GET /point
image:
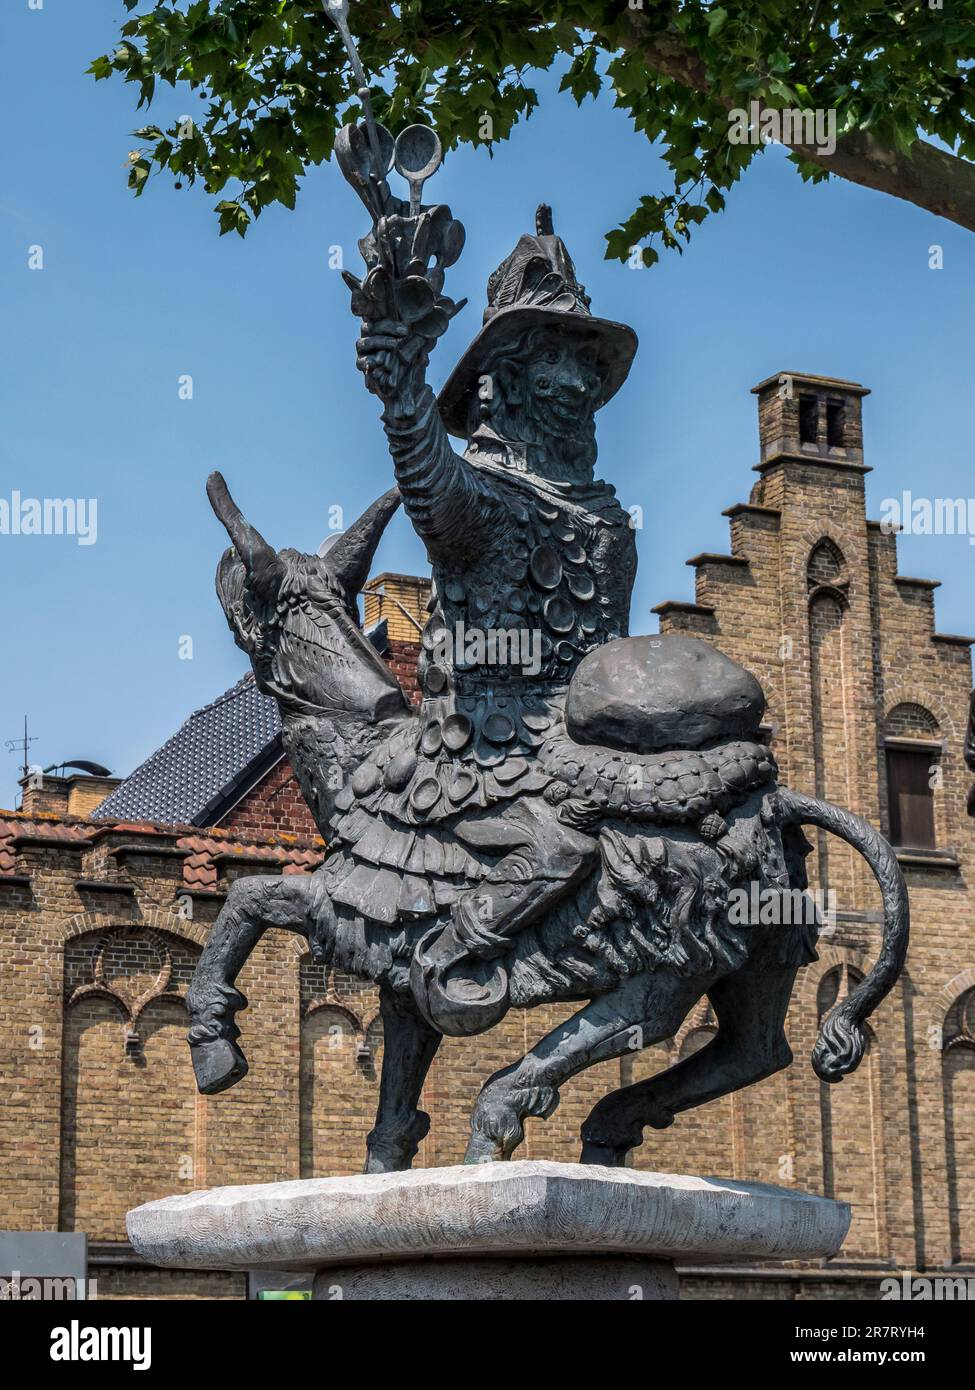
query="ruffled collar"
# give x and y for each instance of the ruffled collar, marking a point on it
(509, 458)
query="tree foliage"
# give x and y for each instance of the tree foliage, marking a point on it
(273, 86)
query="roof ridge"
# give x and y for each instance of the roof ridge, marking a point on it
(246, 679)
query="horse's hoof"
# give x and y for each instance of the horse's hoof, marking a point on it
(392, 1147)
(602, 1154)
(481, 1148)
(218, 1064)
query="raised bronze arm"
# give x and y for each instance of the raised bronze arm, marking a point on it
(404, 312)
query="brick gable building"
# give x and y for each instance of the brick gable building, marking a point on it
(104, 908)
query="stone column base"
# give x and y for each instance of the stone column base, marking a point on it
(584, 1278)
(493, 1231)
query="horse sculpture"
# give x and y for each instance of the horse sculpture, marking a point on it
(575, 821)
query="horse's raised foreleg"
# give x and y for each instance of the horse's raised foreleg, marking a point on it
(750, 1045)
(253, 905)
(409, 1045)
(639, 1012)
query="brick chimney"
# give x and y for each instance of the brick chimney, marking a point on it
(77, 795)
(400, 599)
(816, 417)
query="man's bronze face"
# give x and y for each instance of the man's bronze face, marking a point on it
(561, 385)
(546, 384)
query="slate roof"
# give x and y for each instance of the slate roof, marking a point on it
(206, 766)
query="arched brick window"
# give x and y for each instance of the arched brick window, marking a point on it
(958, 1073)
(827, 564)
(128, 1098)
(340, 1064)
(912, 755)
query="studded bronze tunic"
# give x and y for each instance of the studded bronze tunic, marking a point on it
(528, 575)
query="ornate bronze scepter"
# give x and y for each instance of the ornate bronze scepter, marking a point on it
(410, 246)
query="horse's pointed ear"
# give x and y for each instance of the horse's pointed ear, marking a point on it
(247, 540)
(259, 559)
(348, 560)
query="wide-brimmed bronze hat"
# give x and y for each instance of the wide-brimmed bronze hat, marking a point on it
(535, 286)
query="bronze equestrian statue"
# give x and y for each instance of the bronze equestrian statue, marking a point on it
(569, 812)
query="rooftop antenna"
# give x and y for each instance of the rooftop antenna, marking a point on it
(24, 743)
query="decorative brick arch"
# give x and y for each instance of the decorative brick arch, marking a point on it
(337, 1086)
(957, 1040)
(863, 1183)
(957, 986)
(132, 1005)
(315, 1006)
(702, 1016)
(298, 947)
(809, 537)
(917, 712)
(834, 585)
(99, 991)
(152, 919)
(821, 591)
(830, 958)
(899, 692)
(123, 1054)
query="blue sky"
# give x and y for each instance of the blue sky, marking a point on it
(133, 295)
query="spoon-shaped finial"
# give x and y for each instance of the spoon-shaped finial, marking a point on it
(418, 155)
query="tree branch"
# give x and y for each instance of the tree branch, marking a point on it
(929, 177)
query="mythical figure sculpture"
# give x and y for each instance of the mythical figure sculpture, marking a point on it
(567, 813)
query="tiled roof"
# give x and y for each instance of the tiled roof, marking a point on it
(218, 751)
(200, 869)
(20, 830)
(206, 854)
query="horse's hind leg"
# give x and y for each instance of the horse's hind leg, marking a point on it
(253, 905)
(750, 1045)
(409, 1045)
(636, 1014)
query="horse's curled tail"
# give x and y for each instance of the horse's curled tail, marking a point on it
(842, 1038)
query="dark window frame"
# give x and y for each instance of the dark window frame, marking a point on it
(808, 418)
(911, 809)
(835, 422)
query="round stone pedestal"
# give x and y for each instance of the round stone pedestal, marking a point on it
(491, 1231)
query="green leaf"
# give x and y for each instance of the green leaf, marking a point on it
(138, 173)
(582, 79)
(276, 84)
(234, 217)
(101, 68)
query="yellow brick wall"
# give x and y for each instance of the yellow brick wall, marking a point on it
(837, 654)
(400, 599)
(88, 792)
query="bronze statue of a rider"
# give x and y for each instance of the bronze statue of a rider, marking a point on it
(569, 811)
(533, 564)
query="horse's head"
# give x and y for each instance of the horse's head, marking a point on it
(296, 615)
